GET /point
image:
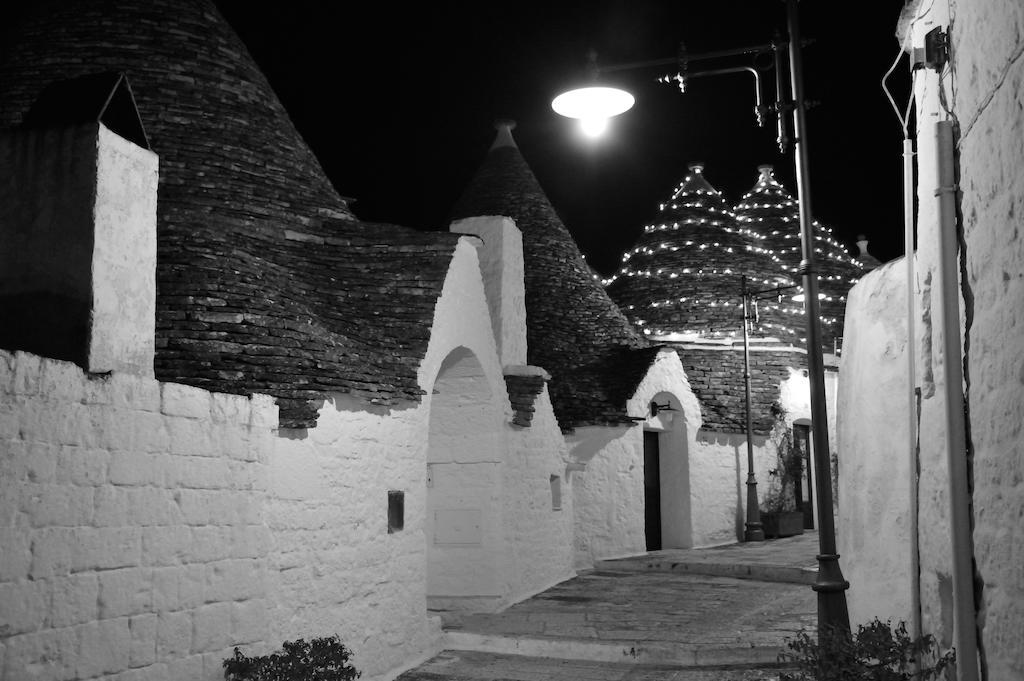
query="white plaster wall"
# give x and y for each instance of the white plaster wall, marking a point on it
(985, 92)
(333, 567)
(466, 547)
(131, 524)
(540, 537)
(988, 40)
(981, 89)
(666, 382)
(608, 492)
(537, 548)
(719, 461)
(608, 485)
(933, 511)
(608, 476)
(874, 538)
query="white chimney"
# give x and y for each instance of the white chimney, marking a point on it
(78, 262)
(501, 263)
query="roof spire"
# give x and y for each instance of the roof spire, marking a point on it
(869, 261)
(504, 126)
(766, 173)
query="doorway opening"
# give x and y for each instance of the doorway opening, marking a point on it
(652, 491)
(804, 487)
(463, 510)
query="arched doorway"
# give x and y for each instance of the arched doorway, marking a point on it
(463, 510)
(804, 483)
(667, 509)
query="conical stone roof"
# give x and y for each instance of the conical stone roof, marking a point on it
(682, 279)
(771, 213)
(574, 330)
(266, 282)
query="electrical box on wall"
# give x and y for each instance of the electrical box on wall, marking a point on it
(935, 52)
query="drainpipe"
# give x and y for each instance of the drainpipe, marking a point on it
(912, 456)
(956, 439)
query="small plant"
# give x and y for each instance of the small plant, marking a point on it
(322, 659)
(877, 652)
(780, 495)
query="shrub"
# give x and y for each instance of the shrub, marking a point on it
(877, 652)
(322, 659)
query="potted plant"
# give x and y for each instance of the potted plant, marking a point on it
(780, 516)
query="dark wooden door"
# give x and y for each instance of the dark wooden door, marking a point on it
(804, 483)
(652, 491)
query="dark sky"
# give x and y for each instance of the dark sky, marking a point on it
(398, 104)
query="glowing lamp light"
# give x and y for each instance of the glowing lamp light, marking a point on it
(593, 106)
(593, 127)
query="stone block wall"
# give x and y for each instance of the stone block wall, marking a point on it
(987, 43)
(333, 565)
(131, 524)
(538, 507)
(716, 374)
(608, 492)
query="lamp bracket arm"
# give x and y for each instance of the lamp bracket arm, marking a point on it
(690, 57)
(760, 110)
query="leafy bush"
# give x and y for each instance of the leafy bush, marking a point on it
(322, 659)
(877, 652)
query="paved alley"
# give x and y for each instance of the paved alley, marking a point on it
(694, 615)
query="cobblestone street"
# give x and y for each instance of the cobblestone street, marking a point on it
(664, 615)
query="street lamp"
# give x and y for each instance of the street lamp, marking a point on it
(830, 585)
(753, 531)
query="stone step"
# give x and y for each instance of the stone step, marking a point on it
(792, 574)
(458, 665)
(619, 651)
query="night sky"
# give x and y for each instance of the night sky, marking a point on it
(398, 102)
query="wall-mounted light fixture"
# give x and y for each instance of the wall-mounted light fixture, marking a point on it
(658, 408)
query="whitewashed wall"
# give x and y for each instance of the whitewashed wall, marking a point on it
(148, 528)
(709, 468)
(333, 568)
(131, 524)
(539, 534)
(874, 538)
(608, 492)
(987, 40)
(981, 90)
(608, 470)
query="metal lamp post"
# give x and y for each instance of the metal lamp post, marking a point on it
(830, 585)
(753, 530)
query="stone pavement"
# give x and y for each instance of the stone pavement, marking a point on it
(664, 615)
(791, 559)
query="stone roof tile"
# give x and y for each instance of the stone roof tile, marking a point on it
(266, 282)
(769, 210)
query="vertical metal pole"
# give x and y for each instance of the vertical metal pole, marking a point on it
(965, 615)
(912, 465)
(753, 530)
(830, 585)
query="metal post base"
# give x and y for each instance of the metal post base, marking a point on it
(831, 589)
(753, 531)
